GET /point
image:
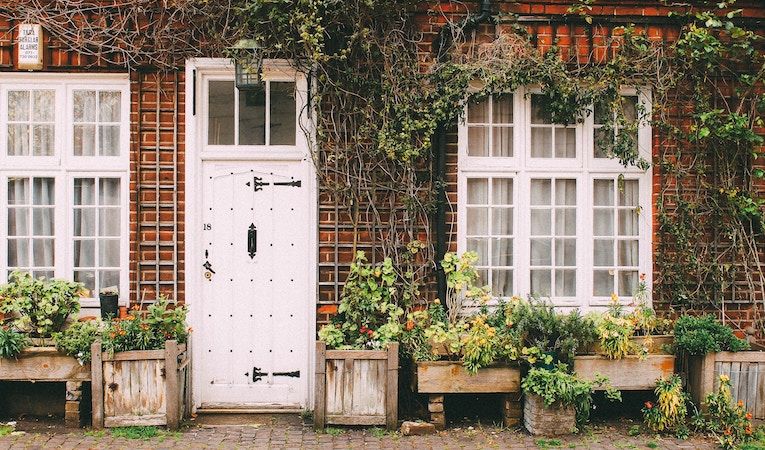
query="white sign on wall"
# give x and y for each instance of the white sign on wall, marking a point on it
(29, 46)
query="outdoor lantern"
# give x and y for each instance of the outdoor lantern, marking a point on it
(248, 64)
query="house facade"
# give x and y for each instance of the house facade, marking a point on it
(176, 182)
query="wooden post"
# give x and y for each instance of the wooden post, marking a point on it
(171, 383)
(391, 386)
(320, 405)
(97, 385)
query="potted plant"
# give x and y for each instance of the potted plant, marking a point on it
(556, 402)
(109, 299)
(363, 338)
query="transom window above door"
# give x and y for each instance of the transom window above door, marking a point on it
(546, 208)
(265, 116)
(64, 178)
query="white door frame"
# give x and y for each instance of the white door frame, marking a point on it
(196, 68)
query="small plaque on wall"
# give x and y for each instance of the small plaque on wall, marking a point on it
(29, 46)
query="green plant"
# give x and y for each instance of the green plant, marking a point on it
(633, 431)
(368, 315)
(76, 339)
(146, 330)
(669, 413)
(557, 385)
(334, 431)
(95, 433)
(12, 342)
(698, 335)
(41, 306)
(730, 423)
(6, 429)
(548, 443)
(652, 444)
(615, 334)
(144, 433)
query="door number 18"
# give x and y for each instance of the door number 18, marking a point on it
(207, 227)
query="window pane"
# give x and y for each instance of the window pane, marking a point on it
(42, 140)
(478, 141)
(88, 278)
(565, 222)
(502, 252)
(565, 192)
(503, 108)
(629, 193)
(42, 221)
(502, 146)
(283, 113)
(541, 192)
(18, 140)
(18, 252)
(109, 253)
(18, 221)
(628, 253)
(629, 108)
(502, 283)
(565, 283)
(477, 221)
(85, 253)
(538, 115)
(43, 106)
(603, 283)
(565, 142)
(540, 282)
(628, 281)
(603, 253)
(477, 191)
(541, 142)
(18, 105)
(481, 247)
(478, 111)
(603, 222)
(84, 191)
(85, 222)
(565, 252)
(603, 192)
(628, 222)
(109, 106)
(84, 106)
(252, 117)
(541, 222)
(604, 142)
(109, 140)
(18, 191)
(541, 252)
(502, 191)
(109, 222)
(220, 126)
(42, 252)
(109, 191)
(108, 279)
(44, 191)
(502, 221)
(84, 140)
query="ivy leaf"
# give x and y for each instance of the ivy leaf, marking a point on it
(758, 173)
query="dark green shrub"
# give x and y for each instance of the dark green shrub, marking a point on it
(699, 335)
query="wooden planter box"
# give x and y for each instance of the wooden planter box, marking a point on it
(630, 373)
(141, 387)
(747, 377)
(356, 387)
(437, 378)
(47, 364)
(553, 420)
(656, 344)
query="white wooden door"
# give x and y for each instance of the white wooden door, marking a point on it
(255, 249)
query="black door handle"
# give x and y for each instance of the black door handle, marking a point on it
(252, 241)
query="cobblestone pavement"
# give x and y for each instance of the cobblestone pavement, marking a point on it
(292, 434)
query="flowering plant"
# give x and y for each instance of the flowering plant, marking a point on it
(669, 412)
(730, 423)
(146, 330)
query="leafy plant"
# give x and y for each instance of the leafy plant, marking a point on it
(669, 413)
(12, 342)
(730, 423)
(146, 330)
(76, 339)
(41, 307)
(615, 334)
(699, 335)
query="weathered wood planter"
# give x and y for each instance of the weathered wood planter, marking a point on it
(47, 364)
(356, 387)
(656, 345)
(448, 377)
(554, 420)
(747, 377)
(142, 387)
(630, 373)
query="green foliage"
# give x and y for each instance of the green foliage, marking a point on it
(557, 385)
(76, 339)
(143, 433)
(670, 412)
(40, 306)
(6, 429)
(12, 342)
(699, 335)
(369, 316)
(730, 423)
(145, 330)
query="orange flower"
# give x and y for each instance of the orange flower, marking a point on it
(649, 405)
(409, 325)
(129, 317)
(122, 332)
(112, 335)
(748, 430)
(748, 416)
(727, 432)
(740, 403)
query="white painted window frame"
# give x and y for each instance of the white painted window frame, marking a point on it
(585, 168)
(63, 166)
